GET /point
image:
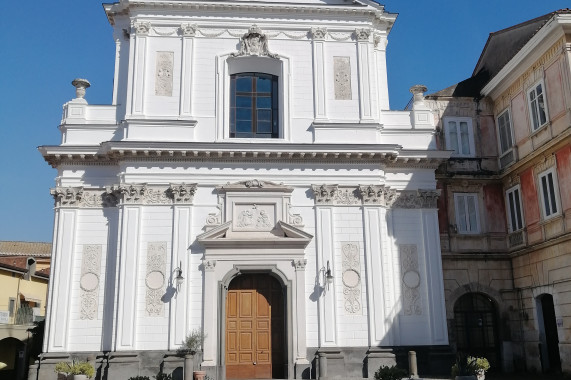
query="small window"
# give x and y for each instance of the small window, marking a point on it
(515, 218)
(505, 132)
(537, 106)
(254, 106)
(459, 136)
(11, 306)
(549, 194)
(467, 219)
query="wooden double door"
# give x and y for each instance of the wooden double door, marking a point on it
(255, 328)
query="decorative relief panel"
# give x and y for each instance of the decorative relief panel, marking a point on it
(342, 80)
(255, 43)
(410, 277)
(155, 278)
(253, 217)
(89, 281)
(351, 277)
(164, 71)
(374, 195)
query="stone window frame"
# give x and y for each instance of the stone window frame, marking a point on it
(477, 230)
(530, 106)
(510, 145)
(471, 144)
(554, 196)
(513, 190)
(229, 65)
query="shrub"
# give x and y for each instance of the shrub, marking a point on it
(469, 365)
(75, 368)
(63, 367)
(163, 376)
(390, 373)
(192, 343)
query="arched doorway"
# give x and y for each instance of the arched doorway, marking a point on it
(548, 339)
(255, 328)
(476, 330)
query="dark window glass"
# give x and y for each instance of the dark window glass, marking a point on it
(254, 105)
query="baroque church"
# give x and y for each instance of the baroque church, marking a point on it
(248, 182)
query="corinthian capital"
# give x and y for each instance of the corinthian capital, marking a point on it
(182, 193)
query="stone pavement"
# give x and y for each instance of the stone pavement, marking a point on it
(514, 376)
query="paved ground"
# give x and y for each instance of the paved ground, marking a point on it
(514, 376)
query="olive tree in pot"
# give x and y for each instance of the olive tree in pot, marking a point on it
(190, 346)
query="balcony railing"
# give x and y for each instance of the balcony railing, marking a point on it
(516, 239)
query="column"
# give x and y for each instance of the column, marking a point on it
(128, 269)
(325, 253)
(299, 325)
(319, 90)
(365, 99)
(136, 84)
(60, 284)
(380, 44)
(188, 33)
(210, 316)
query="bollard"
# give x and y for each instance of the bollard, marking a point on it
(412, 368)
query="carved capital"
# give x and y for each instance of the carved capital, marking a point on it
(67, 196)
(208, 265)
(363, 34)
(332, 194)
(299, 264)
(318, 33)
(324, 194)
(413, 199)
(373, 194)
(188, 30)
(254, 43)
(141, 28)
(182, 193)
(85, 198)
(144, 194)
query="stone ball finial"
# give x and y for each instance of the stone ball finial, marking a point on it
(80, 86)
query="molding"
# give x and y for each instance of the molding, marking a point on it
(375, 195)
(254, 185)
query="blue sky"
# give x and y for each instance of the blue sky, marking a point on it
(46, 45)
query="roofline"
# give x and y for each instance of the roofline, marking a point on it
(559, 20)
(506, 30)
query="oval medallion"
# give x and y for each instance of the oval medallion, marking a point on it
(411, 279)
(89, 282)
(351, 278)
(155, 280)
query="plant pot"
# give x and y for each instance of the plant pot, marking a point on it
(199, 375)
(79, 377)
(481, 375)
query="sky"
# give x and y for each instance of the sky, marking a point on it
(45, 45)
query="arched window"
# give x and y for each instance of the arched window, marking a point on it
(254, 111)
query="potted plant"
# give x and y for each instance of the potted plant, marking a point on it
(63, 369)
(464, 368)
(81, 370)
(481, 365)
(189, 347)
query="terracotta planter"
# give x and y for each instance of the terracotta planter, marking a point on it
(199, 375)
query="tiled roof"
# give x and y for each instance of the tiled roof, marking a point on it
(18, 263)
(25, 248)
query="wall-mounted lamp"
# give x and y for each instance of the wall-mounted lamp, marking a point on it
(327, 276)
(178, 279)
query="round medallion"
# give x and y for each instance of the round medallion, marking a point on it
(155, 280)
(411, 279)
(351, 278)
(89, 282)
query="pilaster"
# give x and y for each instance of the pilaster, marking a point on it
(380, 52)
(319, 87)
(210, 313)
(301, 362)
(136, 83)
(188, 34)
(363, 61)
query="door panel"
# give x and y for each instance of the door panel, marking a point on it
(254, 328)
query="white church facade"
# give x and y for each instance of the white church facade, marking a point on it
(248, 181)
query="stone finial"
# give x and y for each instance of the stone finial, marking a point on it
(418, 91)
(80, 86)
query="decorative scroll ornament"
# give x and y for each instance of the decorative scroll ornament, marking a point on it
(89, 281)
(363, 34)
(300, 264)
(208, 265)
(188, 30)
(294, 219)
(254, 43)
(410, 279)
(155, 278)
(85, 198)
(215, 218)
(142, 28)
(412, 199)
(318, 33)
(351, 277)
(182, 193)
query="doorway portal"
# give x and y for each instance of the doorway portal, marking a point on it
(476, 327)
(549, 341)
(255, 328)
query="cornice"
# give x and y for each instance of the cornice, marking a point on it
(391, 155)
(353, 9)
